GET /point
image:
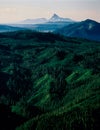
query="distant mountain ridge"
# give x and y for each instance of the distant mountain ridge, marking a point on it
(34, 21)
(88, 29)
(54, 18)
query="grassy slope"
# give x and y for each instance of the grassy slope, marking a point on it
(53, 82)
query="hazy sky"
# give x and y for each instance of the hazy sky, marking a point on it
(16, 10)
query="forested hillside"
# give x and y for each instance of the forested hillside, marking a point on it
(88, 29)
(48, 82)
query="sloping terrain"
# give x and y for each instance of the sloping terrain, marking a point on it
(48, 81)
(88, 29)
(8, 28)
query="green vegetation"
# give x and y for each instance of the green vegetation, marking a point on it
(48, 81)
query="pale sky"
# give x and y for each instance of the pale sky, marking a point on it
(17, 10)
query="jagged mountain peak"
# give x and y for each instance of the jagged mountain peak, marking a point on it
(57, 18)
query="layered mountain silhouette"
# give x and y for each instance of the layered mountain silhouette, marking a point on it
(55, 22)
(88, 29)
(54, 18)
(43, 24)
